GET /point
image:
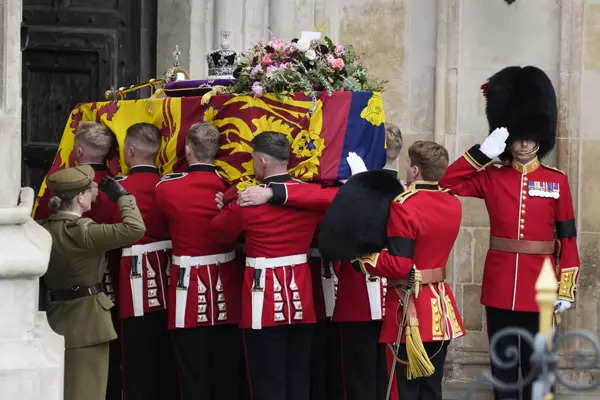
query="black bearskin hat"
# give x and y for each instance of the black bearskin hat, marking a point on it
(355, 222)
(523, 100)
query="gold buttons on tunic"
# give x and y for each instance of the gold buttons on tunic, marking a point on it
(521, 236)
(522, 226)
(525, 178)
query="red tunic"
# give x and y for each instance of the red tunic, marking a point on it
(358, 297)
(422, 227)
(149, 293)
(523, 203)
(274, 293)
(202, 291)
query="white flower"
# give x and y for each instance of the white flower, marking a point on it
(311, 55)
(303, 45)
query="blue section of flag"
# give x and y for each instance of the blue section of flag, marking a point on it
(362, 137)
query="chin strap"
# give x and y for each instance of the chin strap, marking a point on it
(534, 150)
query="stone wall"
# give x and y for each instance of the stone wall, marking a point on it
(435, 55)
(32, 355)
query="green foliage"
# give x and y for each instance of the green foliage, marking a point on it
(284, 67)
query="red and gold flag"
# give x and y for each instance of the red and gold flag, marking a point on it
(321, 132)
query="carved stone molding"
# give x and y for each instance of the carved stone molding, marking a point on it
(2, 55)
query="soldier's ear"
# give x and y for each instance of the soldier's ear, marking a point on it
(78, 151)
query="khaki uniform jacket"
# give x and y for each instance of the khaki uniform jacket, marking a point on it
(78, 258)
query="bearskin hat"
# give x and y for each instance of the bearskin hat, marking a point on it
(523, 100)
(355, 222)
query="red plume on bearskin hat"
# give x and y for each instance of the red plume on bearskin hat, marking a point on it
(523, 100)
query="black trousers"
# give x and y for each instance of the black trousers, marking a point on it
(363, 372)
(114, 385)
(209, 362)
(148, 363)
(498, 319)
(325, 361)
(278, 361)
(426, 388)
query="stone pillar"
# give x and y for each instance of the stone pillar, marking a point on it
(195, 26)
(173, 29)
(32, 361)
(288, 18)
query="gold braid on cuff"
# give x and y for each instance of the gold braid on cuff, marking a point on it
(567, 284)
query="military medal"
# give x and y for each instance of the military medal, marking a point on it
(544, 189)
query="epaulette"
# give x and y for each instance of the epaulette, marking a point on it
(402, 197)
(171, 177)
(554, 169)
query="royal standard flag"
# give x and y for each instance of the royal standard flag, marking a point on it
(321, 133)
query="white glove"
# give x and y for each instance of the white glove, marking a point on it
(357, 165)
(495, 143)
(561, 305)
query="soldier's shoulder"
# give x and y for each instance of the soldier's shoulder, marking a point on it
(404, 196)
(76, 227)
(551, 168)
(171, 177)
(121, 178)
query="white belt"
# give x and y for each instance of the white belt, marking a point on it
(140, 249)
(187, 261)
(265, 263)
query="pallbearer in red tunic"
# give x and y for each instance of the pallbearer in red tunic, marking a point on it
(205, 277)
(422, 227)
(354, 300)
(526, 202)
(148, 364)
(93, 141)
(278, 312)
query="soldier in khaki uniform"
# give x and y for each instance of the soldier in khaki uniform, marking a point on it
(78, 307)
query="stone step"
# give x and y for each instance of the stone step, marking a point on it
(457, 391)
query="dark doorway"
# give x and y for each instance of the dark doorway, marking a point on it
(74, 50)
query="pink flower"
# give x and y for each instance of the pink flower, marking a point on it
(270, 70)
(276, 44)
(337, 63)
(267, 59)
(356, 62)
(256, 70)
(257, 89)
(339, 50)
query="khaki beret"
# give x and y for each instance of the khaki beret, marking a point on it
(68, 182)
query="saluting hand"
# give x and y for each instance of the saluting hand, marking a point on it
(356, 163)
(112, 188)
(255, 195)
(495, 143)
